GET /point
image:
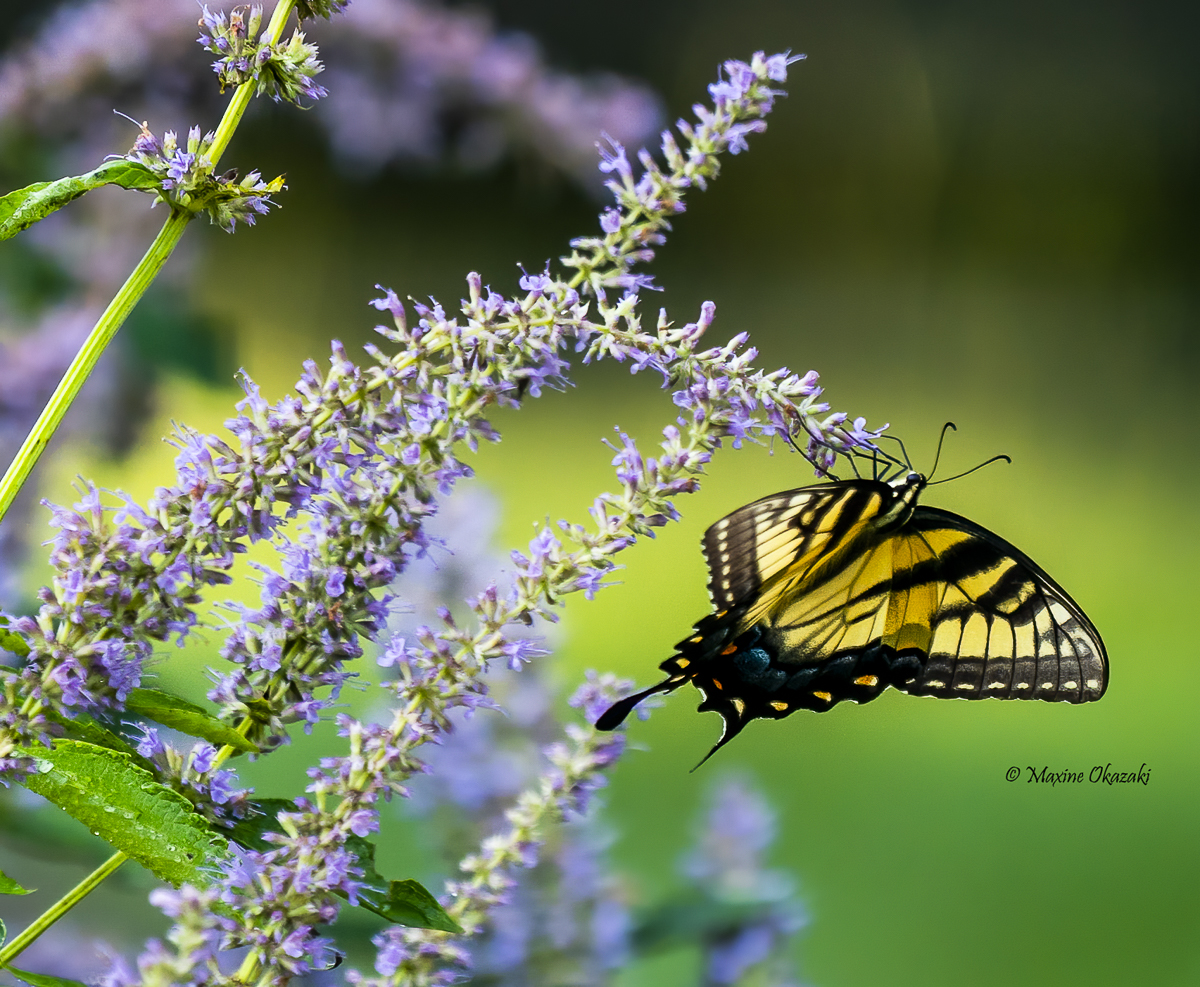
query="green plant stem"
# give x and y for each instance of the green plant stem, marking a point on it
(61, 907)
(85, 360)
(68, 389)
(124, 301)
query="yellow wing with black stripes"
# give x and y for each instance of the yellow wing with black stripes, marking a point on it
(841, 590)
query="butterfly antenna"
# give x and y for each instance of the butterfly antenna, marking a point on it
(821, 470)
(1007, 459)
(938, 455)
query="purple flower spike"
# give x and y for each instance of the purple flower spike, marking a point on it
(341, 478)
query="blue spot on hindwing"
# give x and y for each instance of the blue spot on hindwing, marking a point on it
(841, 667)
(752, 663)
(754, 666)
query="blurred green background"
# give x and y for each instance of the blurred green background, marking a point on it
(983, 213)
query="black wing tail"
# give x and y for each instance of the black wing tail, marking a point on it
(615, 715)
(733, 727)
(709, 636)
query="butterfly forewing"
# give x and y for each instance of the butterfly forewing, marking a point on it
(784, 535)
(1002, 626)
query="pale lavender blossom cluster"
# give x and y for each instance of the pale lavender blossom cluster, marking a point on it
(340, 478)
(120, 586)
(187, 181)
(196, 774)
(283, 71)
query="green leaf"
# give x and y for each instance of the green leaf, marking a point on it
(401, 902)
(42, 979)
(126, 174)
(9, 886)
(186, 717)
(83, 727)
(124, 805)
(687, 921)
(24, 207)
(3, 932)
(11, 641)
(409, 903)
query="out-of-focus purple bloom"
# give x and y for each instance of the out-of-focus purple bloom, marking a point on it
(473, 769)
(65, 950)
(414, 81)
(599, 692)
(32, 362)
(320, 8)
(190, 953)
(727, 866)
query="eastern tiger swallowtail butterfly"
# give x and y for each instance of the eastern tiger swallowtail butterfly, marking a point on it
(839, 590)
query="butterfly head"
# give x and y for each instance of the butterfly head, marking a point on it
(909, 481)
(907, 489)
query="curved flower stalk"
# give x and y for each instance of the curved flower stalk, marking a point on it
(362, 452)
(444, 670)
(359, 458)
